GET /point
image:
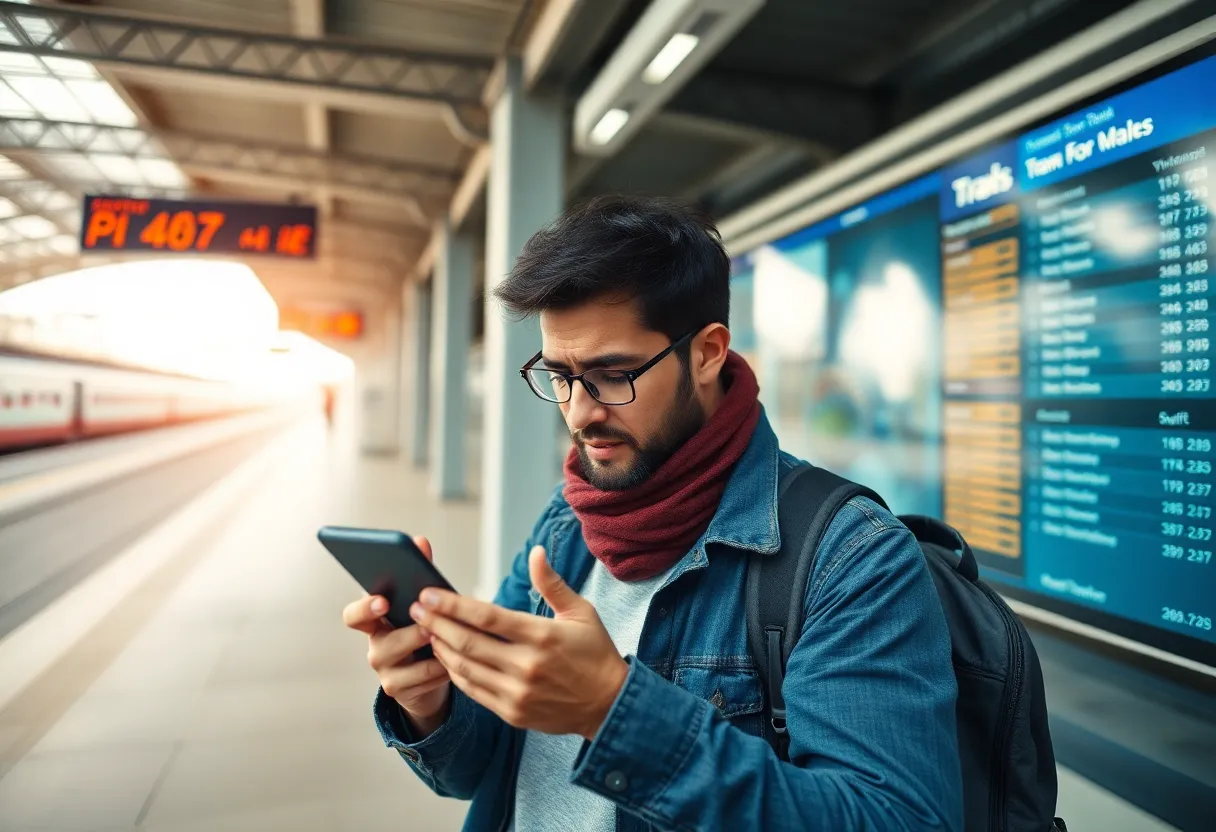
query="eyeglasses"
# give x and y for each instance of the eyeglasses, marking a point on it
(611, 387)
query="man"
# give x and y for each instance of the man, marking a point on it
(609, 686)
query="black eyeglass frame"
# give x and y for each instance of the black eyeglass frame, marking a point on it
(631, 375)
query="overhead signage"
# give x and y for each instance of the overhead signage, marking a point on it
(168, 226)
(339, 324)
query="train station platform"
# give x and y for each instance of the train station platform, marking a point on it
(215, 687)
(202, 679)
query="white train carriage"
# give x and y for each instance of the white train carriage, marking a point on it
(45, 401)
(37, 401)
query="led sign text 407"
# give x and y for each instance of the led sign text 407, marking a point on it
(118, 224)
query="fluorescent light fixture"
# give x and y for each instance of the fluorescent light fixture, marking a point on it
(670, 57)
(666, 47)
(609, 125)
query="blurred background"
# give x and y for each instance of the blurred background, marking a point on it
(245, 250)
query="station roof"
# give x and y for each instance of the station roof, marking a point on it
(375, 111)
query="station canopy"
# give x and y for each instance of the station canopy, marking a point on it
(375, 111)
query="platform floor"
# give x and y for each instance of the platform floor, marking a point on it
(225, 694)
(221, 691)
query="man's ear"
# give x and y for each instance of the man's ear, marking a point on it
(708, 354)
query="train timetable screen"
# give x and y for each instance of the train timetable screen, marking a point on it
(1050, 388)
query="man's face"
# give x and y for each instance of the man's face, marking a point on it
(620, 446)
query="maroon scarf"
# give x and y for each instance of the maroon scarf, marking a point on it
(644, 531)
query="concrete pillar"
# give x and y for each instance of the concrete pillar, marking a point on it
(381, 390)
(452, 332)
(521, 463)
(418, 307)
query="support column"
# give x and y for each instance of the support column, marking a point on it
(420, 371)
(381, 392)
(452, 331)
(521, 455)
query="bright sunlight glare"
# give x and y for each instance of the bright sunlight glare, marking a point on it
(201, 317)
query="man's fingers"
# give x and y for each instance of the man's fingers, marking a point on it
(483, 684)
(392, 647)
(489, 618)
(424, 546)
(414, 679)
(469, 642)
(364, 615)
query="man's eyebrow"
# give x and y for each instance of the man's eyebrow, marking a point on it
(612, 359)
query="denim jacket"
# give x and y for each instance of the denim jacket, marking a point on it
(869, 691)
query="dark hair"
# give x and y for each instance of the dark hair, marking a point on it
(667, 257)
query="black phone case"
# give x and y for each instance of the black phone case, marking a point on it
(386, 563)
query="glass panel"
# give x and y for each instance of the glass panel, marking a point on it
(162, 173)
(50, 98)
(11, 170)
(13, 105)
(19, 62)
(105, 105)
(69, 68)
(118, 169)
(33, 228)
(39, 30)
(62, 244)
(58, 201)
(74, 168)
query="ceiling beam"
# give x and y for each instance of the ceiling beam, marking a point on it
(835, 118)
(308, 19)
(397, 184)
(348, 69)
(560, 27)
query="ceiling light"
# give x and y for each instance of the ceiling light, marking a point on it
(609, 125)
(670, 57)
(666, 46)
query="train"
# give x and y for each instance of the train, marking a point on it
(46, 400)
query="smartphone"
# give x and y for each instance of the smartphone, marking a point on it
(386, 563)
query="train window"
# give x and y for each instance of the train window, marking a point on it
(27, 399)
(6, 400)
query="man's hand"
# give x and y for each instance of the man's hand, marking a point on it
(559, 675)
(422, 689)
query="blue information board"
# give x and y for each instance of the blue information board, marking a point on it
(1021, 342)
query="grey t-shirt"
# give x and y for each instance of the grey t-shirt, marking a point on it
(545, 799)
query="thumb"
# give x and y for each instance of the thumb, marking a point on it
(550, 585)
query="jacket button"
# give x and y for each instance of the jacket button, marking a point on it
(616, 782)
(717, 700)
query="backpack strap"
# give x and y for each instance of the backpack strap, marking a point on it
(807, 500)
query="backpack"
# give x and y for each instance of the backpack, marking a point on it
(1008, 766)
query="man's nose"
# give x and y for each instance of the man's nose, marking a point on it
(583, 409)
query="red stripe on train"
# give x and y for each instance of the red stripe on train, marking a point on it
(32, 435)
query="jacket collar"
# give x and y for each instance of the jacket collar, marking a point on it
(746, 518)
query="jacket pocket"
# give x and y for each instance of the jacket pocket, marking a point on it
(735, 692)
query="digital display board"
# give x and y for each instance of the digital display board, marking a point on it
(165, 226)
(1020, 342)
(340, 324)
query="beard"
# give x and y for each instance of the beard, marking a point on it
(683, 419)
